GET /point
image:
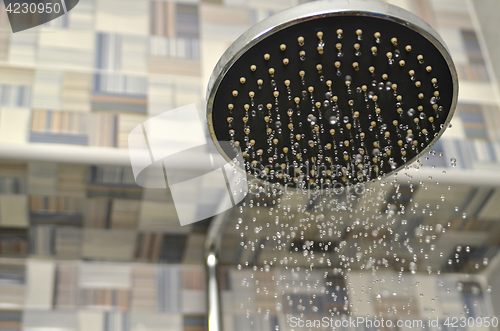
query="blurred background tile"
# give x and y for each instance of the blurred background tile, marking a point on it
(82, 247)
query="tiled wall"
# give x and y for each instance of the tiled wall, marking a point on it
(87, 79)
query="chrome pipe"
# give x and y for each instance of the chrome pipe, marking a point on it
(212, 249)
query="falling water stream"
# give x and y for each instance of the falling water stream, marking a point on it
(330, 253)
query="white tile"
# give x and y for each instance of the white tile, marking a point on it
(194, 302)
(14, 211)
(115, 245)
(47, 89)
(105, 275)
(477, 92)
(134, 57)
(453, 40)
(141, 321)
(39, 284)
(123, 16)
(160, 217)
(14, 125)
(90, 320)
(36, 320)
(23, 48)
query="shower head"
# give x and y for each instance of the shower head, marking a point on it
(332, 92)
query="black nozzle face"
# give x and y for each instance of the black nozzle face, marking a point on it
(342, 99)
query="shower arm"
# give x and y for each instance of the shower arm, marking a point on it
(212, 250)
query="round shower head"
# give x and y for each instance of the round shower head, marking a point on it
(332, 92)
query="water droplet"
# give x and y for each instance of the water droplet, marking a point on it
(312, 119)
